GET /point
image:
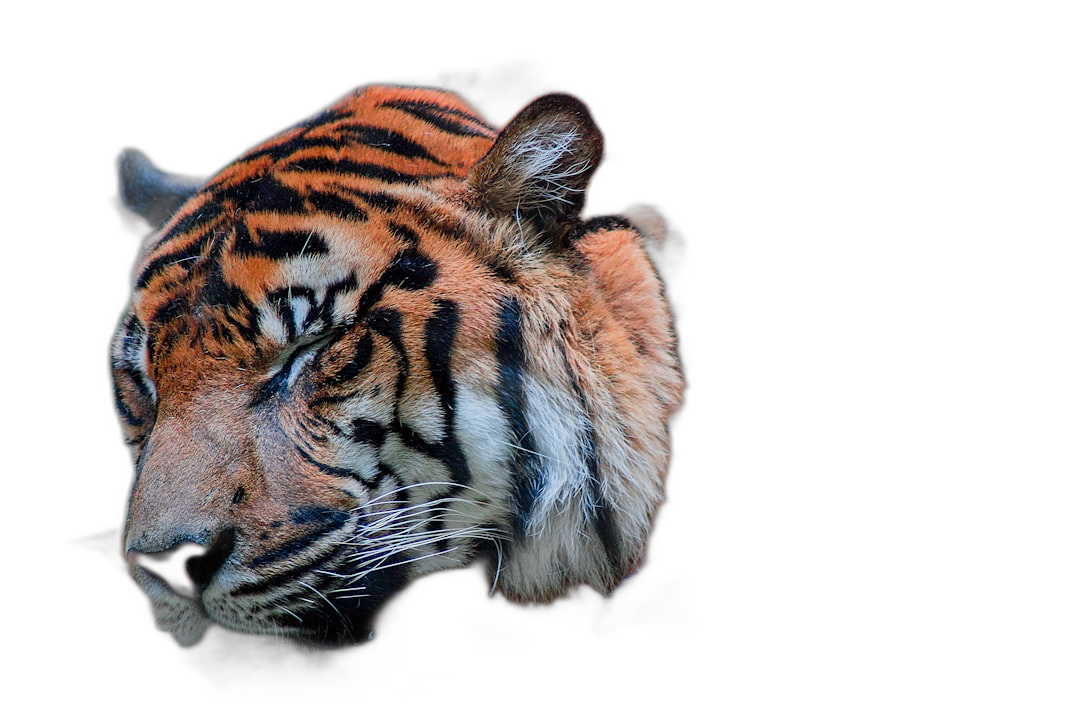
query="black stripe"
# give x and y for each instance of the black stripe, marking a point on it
(440, 335)
(159, 338)
(378, 200)
(348, 133)
(527, 471)
(367, 431)
(325, 310)
(293, 546)
(412, 439)
(360, 359)
(279, 245)
(277, 580)
(326, 117)
(387, 141)
(410, 270)
(598, 224)
(337, 205)
(280, 300)
(448, 226)
(357, 169)
(335, 471)
(436, 115)
(184, 257)
(444, 109)
(121, 406)
(241, 313)
(273, 386)
(439, 331)
(328, 399)
(501, 270)
(317, 513)
(602, 516)
(292, 146)
(278, 149)
(405, 234)
(263, 193)
(200, 218)
(387, 322)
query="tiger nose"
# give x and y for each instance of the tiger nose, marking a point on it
(188, 568)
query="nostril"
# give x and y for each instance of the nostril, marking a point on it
(172, 566)
(202, 567)
(188, 568)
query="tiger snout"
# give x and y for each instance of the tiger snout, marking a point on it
(271, 536)
(179, 530)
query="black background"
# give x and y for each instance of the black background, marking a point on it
(663, 116)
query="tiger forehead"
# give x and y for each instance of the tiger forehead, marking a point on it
(286, 239)
(374, 138)
(344, 164)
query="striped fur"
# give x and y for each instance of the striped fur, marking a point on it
(385, 343)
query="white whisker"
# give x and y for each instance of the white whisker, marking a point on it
(534, 452)
(290, 613)
(376, 558)
(409, 560)
(498, 565)
(345, 622)
(410, 486)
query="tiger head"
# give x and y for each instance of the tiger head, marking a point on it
(385, 343)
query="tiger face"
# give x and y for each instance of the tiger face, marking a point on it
(385, 343)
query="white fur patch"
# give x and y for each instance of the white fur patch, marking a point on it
(560, 548)
(425, 415)
(300, 308)
(358, 457)
(537, 162)
(270, 325)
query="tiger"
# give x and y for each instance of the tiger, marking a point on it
(385, 343)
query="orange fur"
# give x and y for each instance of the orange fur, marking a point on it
(389, 234)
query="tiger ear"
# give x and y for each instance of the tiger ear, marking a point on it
(540, 164)
(149, 192)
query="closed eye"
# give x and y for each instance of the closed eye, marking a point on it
(284, 372)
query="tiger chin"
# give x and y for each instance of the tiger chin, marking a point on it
(385, 343)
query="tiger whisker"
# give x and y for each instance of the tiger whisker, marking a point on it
(376, 558)
(433, 483)
(453, 532)
(498, 565)
(408, 516)
(393, 543)
(430, 502)
(534, 452)
(418, 508)
(345, 623)
(289, 612)
(410, 560)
